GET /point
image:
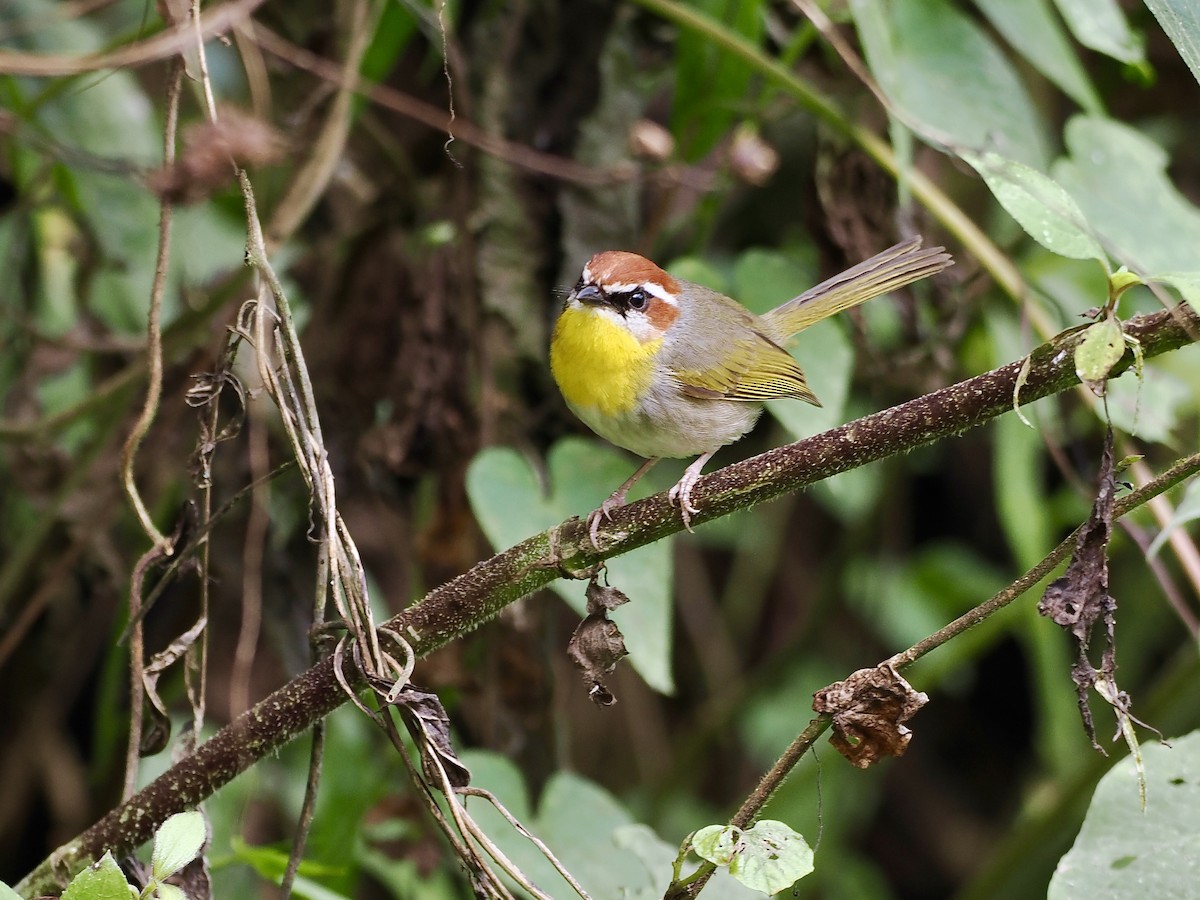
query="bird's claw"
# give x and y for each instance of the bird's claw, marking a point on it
(598, 515)
(681, 494)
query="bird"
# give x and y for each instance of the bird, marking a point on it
(663, 367)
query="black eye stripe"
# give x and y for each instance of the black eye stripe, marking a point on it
(634, 299)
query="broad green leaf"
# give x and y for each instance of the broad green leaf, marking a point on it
(1040, 205)
(764, 279)
(7, 893)
(773, 857)
(710, 82)
(1149, 406)
(1123, 852)
(948, 80)
(1180, 19)
(271, 862)
(1188, 510)
(904, 599)
(1187, 283)
(827, 357)
(1033, 30)
(511, 505)
(1101, 348)
(1017, 472)
(177, 842)
(693, 268)
(102, 880)
(1101, 26)
(171, 892)
(590, 832)
(1118, 179)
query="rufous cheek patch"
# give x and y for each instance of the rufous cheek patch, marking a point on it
(661, 314)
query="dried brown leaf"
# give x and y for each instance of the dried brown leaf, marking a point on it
(1080, 598)
(596, 647)
(869, 710)
(427, 722)
(211, 153)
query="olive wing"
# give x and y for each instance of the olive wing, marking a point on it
(753, 369)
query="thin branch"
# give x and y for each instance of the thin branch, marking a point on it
(476, 596)
(438, 119)
(690, 886)
(154, 355)
(164, 45)
(313, 177)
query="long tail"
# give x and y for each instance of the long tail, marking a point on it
(893, 268)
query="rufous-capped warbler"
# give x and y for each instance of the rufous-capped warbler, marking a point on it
(664, 367)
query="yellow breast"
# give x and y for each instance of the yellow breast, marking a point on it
(598, 364)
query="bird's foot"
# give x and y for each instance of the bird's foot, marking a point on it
(597, 516)
(682, 492)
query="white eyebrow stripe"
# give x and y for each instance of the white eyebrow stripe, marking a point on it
(660, 292)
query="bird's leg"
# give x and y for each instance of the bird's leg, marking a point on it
(615, 499)
(683, 488)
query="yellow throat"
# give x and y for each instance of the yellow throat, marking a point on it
(598, 364)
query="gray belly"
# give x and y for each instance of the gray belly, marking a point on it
(675, 425)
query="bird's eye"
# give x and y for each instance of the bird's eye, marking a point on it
(637, 299)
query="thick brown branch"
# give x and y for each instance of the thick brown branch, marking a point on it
(479, 594)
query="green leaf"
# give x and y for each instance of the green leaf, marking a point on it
(7, 893)
(589, 831)
(701, 271)
(1033, 30)
(763, 279)
(511, 505)
(101, 881)
(1100, 25)
(1040, 205)
(170, 892)
(1188, 510)
(1149, 407)
(827, 357)
(1180, 19)
(1102, 347)
(903, 599)
(718, 844)
(271, 862)
(1115, 173)
(177, 842)
(711, 83)
(948, 80)
(1122, 852)
(1019, 491)
(1122, 280)
(773, 857)
(1187, 283)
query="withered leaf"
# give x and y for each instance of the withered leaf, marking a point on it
(603, 598)
(156, 733)
(427, 722)
(211, 154)
(1080, 598)
(595, 648)
(869, 710)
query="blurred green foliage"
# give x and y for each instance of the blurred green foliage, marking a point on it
(446, 429)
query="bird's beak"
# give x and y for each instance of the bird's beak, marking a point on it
(589, 293)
